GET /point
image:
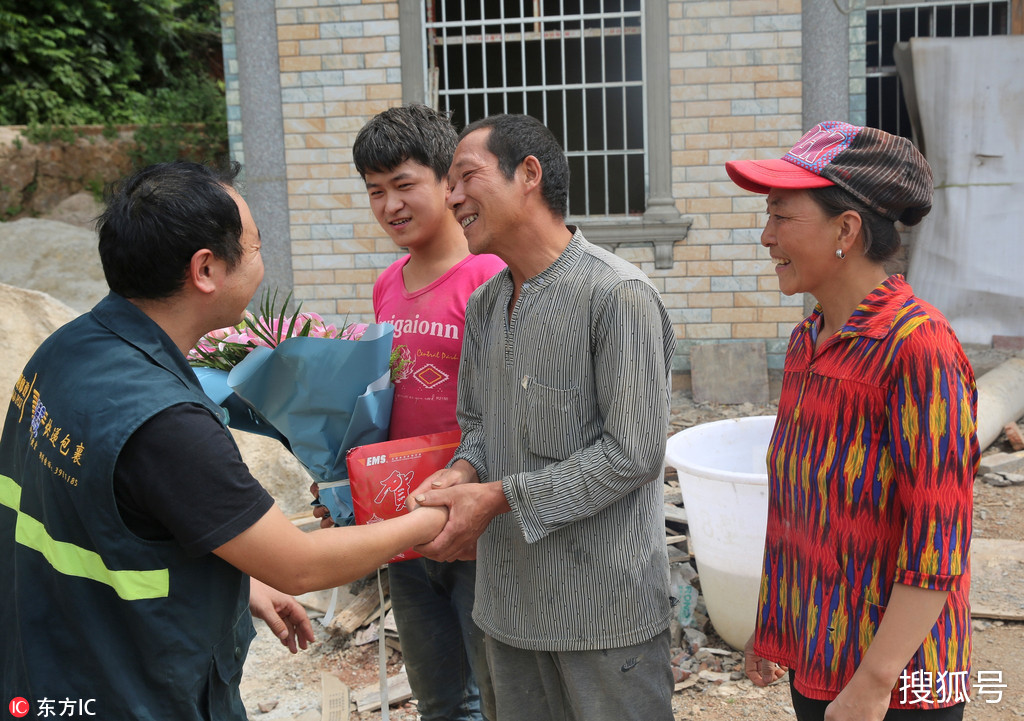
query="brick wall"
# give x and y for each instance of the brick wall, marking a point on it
(735, 76)
(735, 93)
(340, 65)
(230, 49)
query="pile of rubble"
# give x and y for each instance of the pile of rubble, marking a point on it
(701, 660)
(354, 617)
(1005, 469)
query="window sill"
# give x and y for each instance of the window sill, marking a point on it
(661, 235)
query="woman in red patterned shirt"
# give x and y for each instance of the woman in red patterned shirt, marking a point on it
(864, 590)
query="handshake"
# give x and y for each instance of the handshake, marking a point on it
(460, 507)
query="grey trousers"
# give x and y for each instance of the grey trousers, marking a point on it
(632, 683)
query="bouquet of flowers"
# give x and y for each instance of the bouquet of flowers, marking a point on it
(319, 389)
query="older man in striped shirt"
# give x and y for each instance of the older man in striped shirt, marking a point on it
(563, 404)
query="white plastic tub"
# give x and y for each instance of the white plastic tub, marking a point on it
(723, 479)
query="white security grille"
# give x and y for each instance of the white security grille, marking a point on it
(575, 65)
(890, 24)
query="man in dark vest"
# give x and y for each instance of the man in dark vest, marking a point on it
(129, 524)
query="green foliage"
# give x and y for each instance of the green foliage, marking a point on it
(145, 62)
(48, 133)
(173, 133)
(13, 210)
(95, 186)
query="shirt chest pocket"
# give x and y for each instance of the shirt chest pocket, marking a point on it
(554, 420)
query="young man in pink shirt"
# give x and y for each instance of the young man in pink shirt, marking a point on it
(403, 154)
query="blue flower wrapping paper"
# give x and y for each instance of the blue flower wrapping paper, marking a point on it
(321, 397)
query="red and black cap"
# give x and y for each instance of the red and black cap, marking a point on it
(885, 172)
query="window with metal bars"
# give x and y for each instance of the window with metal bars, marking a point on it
(890, 24)
(575, 65)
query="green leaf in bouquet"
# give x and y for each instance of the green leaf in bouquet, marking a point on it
(275, 333)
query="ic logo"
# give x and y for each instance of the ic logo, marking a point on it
(18, 707)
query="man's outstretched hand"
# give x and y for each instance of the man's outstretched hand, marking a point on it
(471, 506)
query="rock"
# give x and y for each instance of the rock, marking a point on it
(36, 177)
(1002, 480)
(727, 690)
(81, 210)
(1002, 463)
(54, 258)
(695, 637)
(27, 317)
(274, 467)
(715, 676)
(995, 479)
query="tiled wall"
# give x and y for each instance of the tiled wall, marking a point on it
(735, 76)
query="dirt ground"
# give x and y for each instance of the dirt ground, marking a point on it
(289, 687)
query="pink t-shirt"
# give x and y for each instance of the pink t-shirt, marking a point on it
(429, 323)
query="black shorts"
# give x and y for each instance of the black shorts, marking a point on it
(810, 709)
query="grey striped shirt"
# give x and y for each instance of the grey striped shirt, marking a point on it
(566, 404)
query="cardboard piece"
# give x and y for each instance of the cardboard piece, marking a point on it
(335, 704)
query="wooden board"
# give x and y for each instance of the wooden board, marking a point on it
(359, 610)
(675, 514)
(368, 697)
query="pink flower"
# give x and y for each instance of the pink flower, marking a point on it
(226, 347)
(354, 331)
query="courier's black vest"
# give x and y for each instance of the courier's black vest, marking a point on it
(87, 609)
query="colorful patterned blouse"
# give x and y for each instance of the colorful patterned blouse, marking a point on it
(871, 468)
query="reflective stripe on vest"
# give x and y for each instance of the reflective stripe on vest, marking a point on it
(72, 560)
